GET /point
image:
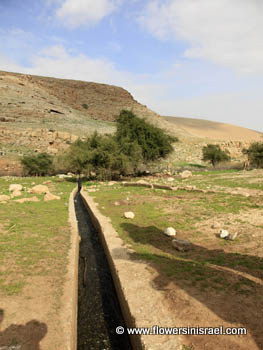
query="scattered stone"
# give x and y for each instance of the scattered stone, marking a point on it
(224, 234)
(15, 187)
(233, 236)
(215, 225)
(170, 231)
(39, 189)
(117, 203)
(129, 215)
(111, 183)
(181, 244)
(91, 190)
(4, 197)
(170, 179)
(31, 199)
(186, 174)
(16, 193)
(50, 197)
(127, 199)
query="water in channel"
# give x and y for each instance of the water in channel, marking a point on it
(99, 311)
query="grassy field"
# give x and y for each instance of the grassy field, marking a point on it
(34, 236)
(222, 275)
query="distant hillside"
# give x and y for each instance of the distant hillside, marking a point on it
(47, 114)
(214, 130)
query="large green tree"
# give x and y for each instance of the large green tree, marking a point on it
(153, 141)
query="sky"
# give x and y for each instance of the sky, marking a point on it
(188, 58)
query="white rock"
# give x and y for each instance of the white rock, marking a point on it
(233, 236)
(15, 187)
(170, 231)
(170, 179)
(129, 215)
(224, 233)
(116, 203)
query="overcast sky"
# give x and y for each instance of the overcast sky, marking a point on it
(189, 58)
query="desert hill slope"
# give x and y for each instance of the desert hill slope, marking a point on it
(214, 130)
(48, 114)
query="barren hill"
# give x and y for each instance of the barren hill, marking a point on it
(214, 130)
(47, 114)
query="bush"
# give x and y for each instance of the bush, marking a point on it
(37, 165)
(255, 154)
(214, 154)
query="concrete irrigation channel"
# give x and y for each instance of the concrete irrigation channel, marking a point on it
(99, 311)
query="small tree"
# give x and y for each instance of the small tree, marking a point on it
(214, 154)
(37, 165)
(255, 154)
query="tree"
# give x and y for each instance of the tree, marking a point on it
(154, 142)
(38, 165)
(255, 154)
(135, 142)
(214, 154)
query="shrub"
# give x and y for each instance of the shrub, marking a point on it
(85, 105)
(37, 165)
(214, 154)
(255, 154)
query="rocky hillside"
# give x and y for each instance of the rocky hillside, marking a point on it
(48, 114)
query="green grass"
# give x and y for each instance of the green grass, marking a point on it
(34, 238)
(155, 210)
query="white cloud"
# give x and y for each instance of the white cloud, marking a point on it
(75, 13)
(226, 32)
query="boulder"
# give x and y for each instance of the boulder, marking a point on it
(186, 174)
(181, 244)
(4, 197)
(39, 189)
(15, 187)
(170, 231)
(16, 193)
(50, 197)
(129, 215)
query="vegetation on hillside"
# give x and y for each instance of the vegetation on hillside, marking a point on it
(214, 154)
(37, 165)
(255, 154)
